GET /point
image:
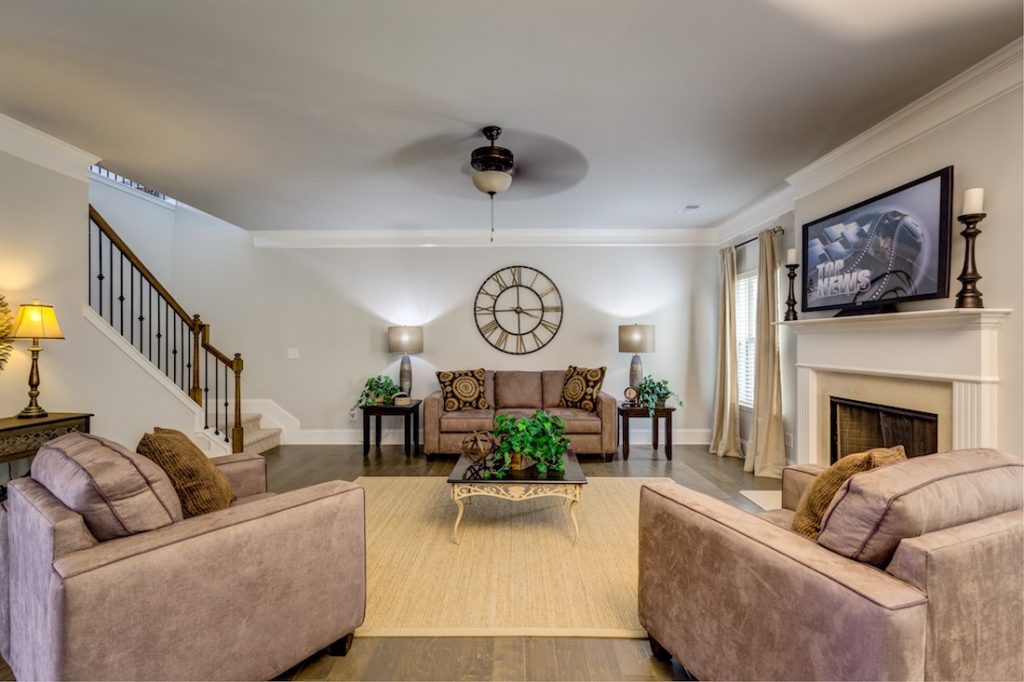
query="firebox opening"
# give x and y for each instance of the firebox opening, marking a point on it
(858, 426)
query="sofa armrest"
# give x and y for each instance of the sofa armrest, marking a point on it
(289, 570)
(795, 480)
(606, 409)
(246, 471)
(716, 579)
(432, 411)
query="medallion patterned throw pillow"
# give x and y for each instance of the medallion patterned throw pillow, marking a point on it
(818, 495)
(582, 386)
(463, 390)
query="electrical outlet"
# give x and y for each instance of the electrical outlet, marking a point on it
(293, 353)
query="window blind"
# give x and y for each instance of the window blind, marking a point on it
(746, 334)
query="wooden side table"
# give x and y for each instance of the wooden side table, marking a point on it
(410, 412)
(21, 438)
(628, 411)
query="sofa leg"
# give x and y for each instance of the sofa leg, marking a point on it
(659, 652)
(341, 646)
(609, 456)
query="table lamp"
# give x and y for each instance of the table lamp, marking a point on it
(636, 339)
(405, 340)
(35, 321)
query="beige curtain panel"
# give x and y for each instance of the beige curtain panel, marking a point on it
(725, 436)
(767, 452)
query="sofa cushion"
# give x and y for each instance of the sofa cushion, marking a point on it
(553, 381)
(466, 421)
(489, 388)
(117, 492)
(463, 390)
(874, 510)
(582, 386)
(818, 495)
(200, 485)
(515, 412)
(518, 389)
(577, 420)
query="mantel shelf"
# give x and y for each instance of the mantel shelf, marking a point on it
(950, 319)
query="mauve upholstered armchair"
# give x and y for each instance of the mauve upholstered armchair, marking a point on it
(916, 574)
(242, 593)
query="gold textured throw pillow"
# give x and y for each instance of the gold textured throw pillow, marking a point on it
(463, 390)
(818, 495)
(582, 386)
(200, 485)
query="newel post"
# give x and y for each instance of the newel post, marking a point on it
(195, 391)
(238, 432)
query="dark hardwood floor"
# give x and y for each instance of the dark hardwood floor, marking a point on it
(500, 658)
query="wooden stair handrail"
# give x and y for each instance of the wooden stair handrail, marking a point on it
(200, 331)
(106, 229)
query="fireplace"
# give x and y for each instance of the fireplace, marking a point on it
(856, 426)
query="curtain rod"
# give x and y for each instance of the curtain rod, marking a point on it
(778, 229)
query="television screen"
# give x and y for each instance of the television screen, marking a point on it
(890, 248)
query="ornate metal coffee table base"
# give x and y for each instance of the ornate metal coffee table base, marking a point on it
(517, 491)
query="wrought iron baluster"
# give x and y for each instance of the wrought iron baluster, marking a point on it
(142, 317)
(206, 391)
(120, 297)
(226, 439)
(216, 399)
(110, 285)
(89, 251)
(99, 277)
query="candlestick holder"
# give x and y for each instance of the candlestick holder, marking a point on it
(791, 301)
(969, 296)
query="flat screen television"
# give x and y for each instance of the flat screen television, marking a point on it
(890, 248)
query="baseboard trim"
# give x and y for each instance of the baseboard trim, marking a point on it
(292, 433)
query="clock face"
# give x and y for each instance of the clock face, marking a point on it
(518, 310)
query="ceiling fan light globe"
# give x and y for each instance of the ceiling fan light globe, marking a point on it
(492, 181)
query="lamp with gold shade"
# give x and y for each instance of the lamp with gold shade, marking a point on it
(35, 321)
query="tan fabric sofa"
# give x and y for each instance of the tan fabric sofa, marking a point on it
(937, 592)
(241, 593)
(519, 394)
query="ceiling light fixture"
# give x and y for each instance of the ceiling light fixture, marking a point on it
(493, 165)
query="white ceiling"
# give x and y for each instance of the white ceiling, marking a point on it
(322, 115)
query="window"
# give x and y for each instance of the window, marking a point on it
(746, 334)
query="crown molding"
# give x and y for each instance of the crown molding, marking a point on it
(993, 77)
(35, 146)
(372, 239)
(754, 216)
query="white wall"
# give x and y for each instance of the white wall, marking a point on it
(43, 222)
(334, 305)
(984, 145)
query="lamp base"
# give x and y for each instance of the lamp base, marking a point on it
(636, 371)
(33, 412)
(405, 375)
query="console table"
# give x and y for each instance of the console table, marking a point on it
(628, 411)
(20, 438)
(410, 412)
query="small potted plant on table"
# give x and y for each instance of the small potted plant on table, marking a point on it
(379, 390)
(651, 393)
(539, 439)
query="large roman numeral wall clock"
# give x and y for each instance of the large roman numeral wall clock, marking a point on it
(518, 310)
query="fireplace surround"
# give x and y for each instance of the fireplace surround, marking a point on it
(942, 362)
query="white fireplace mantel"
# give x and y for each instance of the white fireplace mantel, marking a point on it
(954, 346)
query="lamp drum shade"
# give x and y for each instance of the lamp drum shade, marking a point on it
(405, 339)
(636, 338)
(36, 321)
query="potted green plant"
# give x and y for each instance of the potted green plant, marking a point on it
(540, 438)
(651, 393)
(379, 390)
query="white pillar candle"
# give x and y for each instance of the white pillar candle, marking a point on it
(791, 257)
(973, 201)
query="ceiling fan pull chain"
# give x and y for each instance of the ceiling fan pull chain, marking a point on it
(492, 217)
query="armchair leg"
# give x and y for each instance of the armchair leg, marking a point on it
(341, 646)
(659, 652)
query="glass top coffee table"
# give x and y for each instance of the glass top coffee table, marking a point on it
(467, 480)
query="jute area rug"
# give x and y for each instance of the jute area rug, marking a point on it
(516, 571)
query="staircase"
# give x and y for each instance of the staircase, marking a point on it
(143, 314)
